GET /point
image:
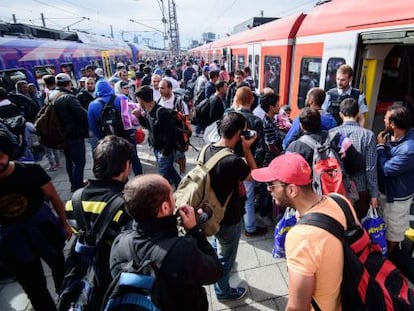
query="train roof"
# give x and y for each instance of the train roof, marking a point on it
(283, 28)
(344, 15)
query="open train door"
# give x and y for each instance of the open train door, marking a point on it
(385, 76)
(254, 62)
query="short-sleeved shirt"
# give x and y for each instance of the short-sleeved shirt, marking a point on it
(312, 251)
(20, 193)
(225, 179)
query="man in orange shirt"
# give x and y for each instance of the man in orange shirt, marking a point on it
(314, 256)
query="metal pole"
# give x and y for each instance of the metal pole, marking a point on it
(112, 32)
(43, 19)
(14, 19)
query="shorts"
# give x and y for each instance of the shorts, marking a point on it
(179, 155)
(397, 218)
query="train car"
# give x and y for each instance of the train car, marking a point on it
(375, 37)
(29, 58)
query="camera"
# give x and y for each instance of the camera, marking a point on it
(248, 133)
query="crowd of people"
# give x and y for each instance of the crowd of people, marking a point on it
(270, 170)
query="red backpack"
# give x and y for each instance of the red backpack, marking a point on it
(328, 172)
(370, 281)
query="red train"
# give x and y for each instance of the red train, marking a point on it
(294, 53)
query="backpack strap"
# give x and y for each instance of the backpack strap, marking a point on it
(110, 102)
(309, 141)
(104, 219)
(162, 244)
(55, 98)
(213, 161)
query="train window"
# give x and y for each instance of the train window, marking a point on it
(241, 61)
(256, 70)
(331, 68)
(68, 68)
(272, 72)
(8, 78)
(250, 61)
(310, 73)
(41, 71)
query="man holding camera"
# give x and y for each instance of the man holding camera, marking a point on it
(184, 264)
(226, 177)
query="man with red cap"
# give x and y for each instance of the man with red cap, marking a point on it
(314, 256)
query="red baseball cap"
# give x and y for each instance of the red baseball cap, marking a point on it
(289, 168)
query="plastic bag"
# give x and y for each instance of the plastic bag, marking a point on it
(376, 229)
(211, 133)
(281, 229)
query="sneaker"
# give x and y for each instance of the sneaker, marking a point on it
(258, 232)
(235, 294)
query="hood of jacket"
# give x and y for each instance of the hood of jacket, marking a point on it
(103, 89)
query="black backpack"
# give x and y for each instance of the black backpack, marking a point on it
(370, 281)
(16, 127)
(110, 120)
(139, 287)
(202, 112)
(82, 285)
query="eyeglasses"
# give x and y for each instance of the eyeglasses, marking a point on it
(270, 186)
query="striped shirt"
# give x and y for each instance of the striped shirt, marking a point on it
(365, 143)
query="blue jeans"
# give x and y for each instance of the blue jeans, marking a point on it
(250, 216)
(226, 243)
(166, 167)
(74, 151)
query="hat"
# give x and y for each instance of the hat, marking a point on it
(83, 79)
(289, 168)
(63, 77)
(206, 68)
(123, 84)
(99, 72)
(6, 144)
(120, 65)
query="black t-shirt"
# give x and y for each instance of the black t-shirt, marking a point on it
(225, 178)
(20, 193)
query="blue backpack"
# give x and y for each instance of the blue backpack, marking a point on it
(137, 287)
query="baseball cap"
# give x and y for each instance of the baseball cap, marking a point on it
(120, 65)
(123, 84)
(289, 168)
(63, 77)
(99, 72)
(83, 79)
(206, 68)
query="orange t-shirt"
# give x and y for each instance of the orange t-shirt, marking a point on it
(313, 251)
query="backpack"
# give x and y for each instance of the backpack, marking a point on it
(183, 130)
(16, 127)
(82, 284)
(327, 167)
(110, 120)
(195, 190)
(370, 281)
(202, 112)
(137, 287)
(199, 97)
(49, 126)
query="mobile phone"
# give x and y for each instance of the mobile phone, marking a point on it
(248, 133)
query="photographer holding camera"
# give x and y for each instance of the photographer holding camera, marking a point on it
(184, 264)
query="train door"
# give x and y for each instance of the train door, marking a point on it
(254, 62)
(387, 60)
